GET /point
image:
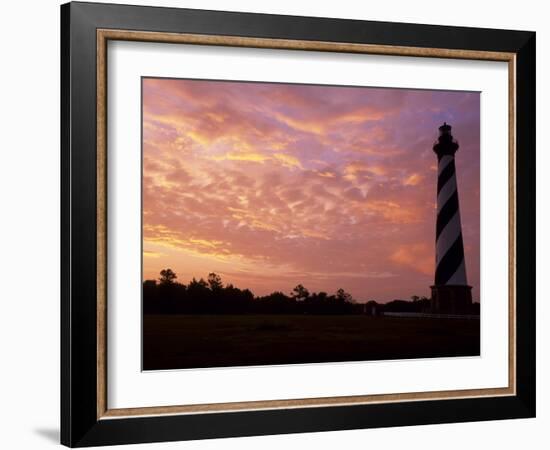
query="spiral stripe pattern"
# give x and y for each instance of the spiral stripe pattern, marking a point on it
(449, 255)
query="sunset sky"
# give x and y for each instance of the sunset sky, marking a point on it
(271, 185)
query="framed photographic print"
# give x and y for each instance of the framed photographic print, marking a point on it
(276, 224)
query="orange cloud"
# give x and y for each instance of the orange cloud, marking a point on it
(326, 174)
(418, 257)
(357, 167)
(233, 156)
(413, 180)
(394, 212)
(288, 160)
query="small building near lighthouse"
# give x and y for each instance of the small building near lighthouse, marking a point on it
(451, 293)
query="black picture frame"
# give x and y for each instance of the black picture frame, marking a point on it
(80, 425)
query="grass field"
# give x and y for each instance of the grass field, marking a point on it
(186, 341)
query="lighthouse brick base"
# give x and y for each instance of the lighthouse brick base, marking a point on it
(449, 299)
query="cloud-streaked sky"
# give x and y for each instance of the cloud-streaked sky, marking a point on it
(271, 185)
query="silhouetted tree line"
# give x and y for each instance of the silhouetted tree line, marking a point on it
(211, 296)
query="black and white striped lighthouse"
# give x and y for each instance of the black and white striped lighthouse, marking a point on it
(450, 292)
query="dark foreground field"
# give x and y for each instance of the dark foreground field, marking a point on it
(186, 341)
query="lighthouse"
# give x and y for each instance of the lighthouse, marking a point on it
(450, 292)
